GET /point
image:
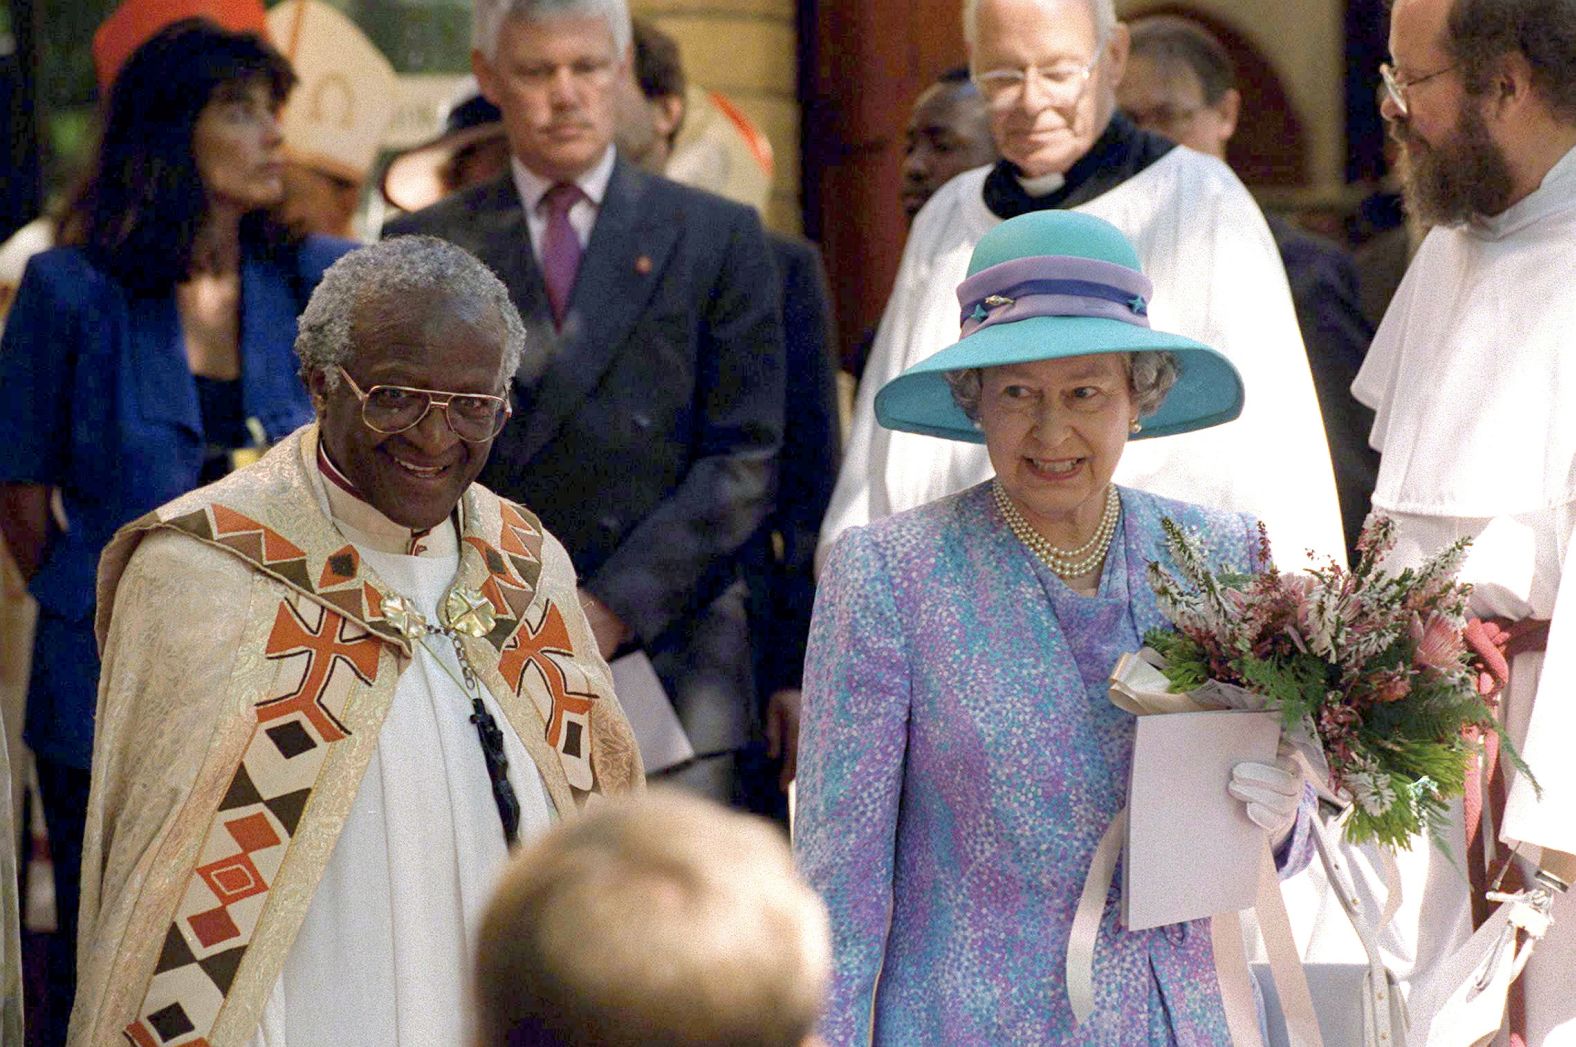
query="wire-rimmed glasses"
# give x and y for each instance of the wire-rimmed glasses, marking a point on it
(1397, 88)
(390, 409)
(1063, 82)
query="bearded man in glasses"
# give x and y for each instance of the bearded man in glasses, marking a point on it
(1470, 375)
(1048, 71)
(338, 686)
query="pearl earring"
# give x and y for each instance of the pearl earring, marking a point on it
(1136, 428)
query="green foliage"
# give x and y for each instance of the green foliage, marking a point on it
(1186, 666)
(1375, 661)
(1294, 685)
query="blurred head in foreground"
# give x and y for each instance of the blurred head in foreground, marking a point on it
(664, 921)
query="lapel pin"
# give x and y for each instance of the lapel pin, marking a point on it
(643, 265)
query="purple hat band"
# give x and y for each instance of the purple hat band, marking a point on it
(1053, 285)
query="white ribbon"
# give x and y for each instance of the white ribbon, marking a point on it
(1231, 961)
(1138, 687)
(1086, 921)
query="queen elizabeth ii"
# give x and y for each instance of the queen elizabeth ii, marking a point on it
(959, 758)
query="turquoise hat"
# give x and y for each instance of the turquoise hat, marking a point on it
(1049, 285)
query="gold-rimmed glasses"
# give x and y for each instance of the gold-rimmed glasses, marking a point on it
(1397, 88)
(390, 409)
(1064, 82)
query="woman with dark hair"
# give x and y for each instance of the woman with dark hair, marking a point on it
(140, 356)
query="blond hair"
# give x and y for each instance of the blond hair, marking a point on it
(658, 921)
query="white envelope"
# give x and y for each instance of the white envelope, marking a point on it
(658, 732)
(1191, 850)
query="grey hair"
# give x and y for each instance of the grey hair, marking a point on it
(1150, 376)
(489, 16)
(1104, 12)
(389, 271)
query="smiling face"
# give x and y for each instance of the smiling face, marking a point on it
(427, 340)
(239, 148)
(1041, 133)
(556, 82)
(1055, 430)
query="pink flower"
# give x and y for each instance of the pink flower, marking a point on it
(1438, 643)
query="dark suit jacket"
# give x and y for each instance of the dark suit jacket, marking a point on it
(782, 564)
(646, 433)
(1324, 288)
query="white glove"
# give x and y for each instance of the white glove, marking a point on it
(1272, 793)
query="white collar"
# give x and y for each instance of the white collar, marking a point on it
(592, 182)
(1556, 193)
(1042, 185)
(364, 524)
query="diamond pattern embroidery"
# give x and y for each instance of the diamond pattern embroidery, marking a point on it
(529, 658)
(323, 659)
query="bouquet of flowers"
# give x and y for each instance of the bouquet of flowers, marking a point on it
(1373, 665)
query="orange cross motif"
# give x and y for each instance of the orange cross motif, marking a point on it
(528, 646)
(324, 648)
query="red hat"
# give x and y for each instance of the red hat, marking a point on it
(134, 22)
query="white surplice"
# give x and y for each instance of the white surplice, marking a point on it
(385, 953)
(1473, 378)
(1218, 279)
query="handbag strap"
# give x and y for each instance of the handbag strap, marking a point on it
(1382, 1000)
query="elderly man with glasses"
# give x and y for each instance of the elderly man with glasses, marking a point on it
(338, 687)
(1048, 70)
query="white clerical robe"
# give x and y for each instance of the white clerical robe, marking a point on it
(1473, 378)
(1218, 279)
(385, 953)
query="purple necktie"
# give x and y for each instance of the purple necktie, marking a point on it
(560, 247)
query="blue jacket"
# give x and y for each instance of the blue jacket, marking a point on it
(97, 400)
(958, 763)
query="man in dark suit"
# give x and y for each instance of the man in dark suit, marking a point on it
(1180, 82)
(780, 560)
(649, 409)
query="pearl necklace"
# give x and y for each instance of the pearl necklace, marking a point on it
(1066, 563)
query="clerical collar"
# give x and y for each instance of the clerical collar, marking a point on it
(1121, 151)
(1044, 185)
(364, 524)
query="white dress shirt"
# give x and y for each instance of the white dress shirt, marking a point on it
(582, 216)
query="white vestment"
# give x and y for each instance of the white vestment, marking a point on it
(386, 951)
(1218, 279)
(1473, 378)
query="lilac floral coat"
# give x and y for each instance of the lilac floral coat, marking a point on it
(958, 763)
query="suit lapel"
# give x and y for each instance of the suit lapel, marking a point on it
(268, 307)
(504, 242)
(629, 250)
(166, 391)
